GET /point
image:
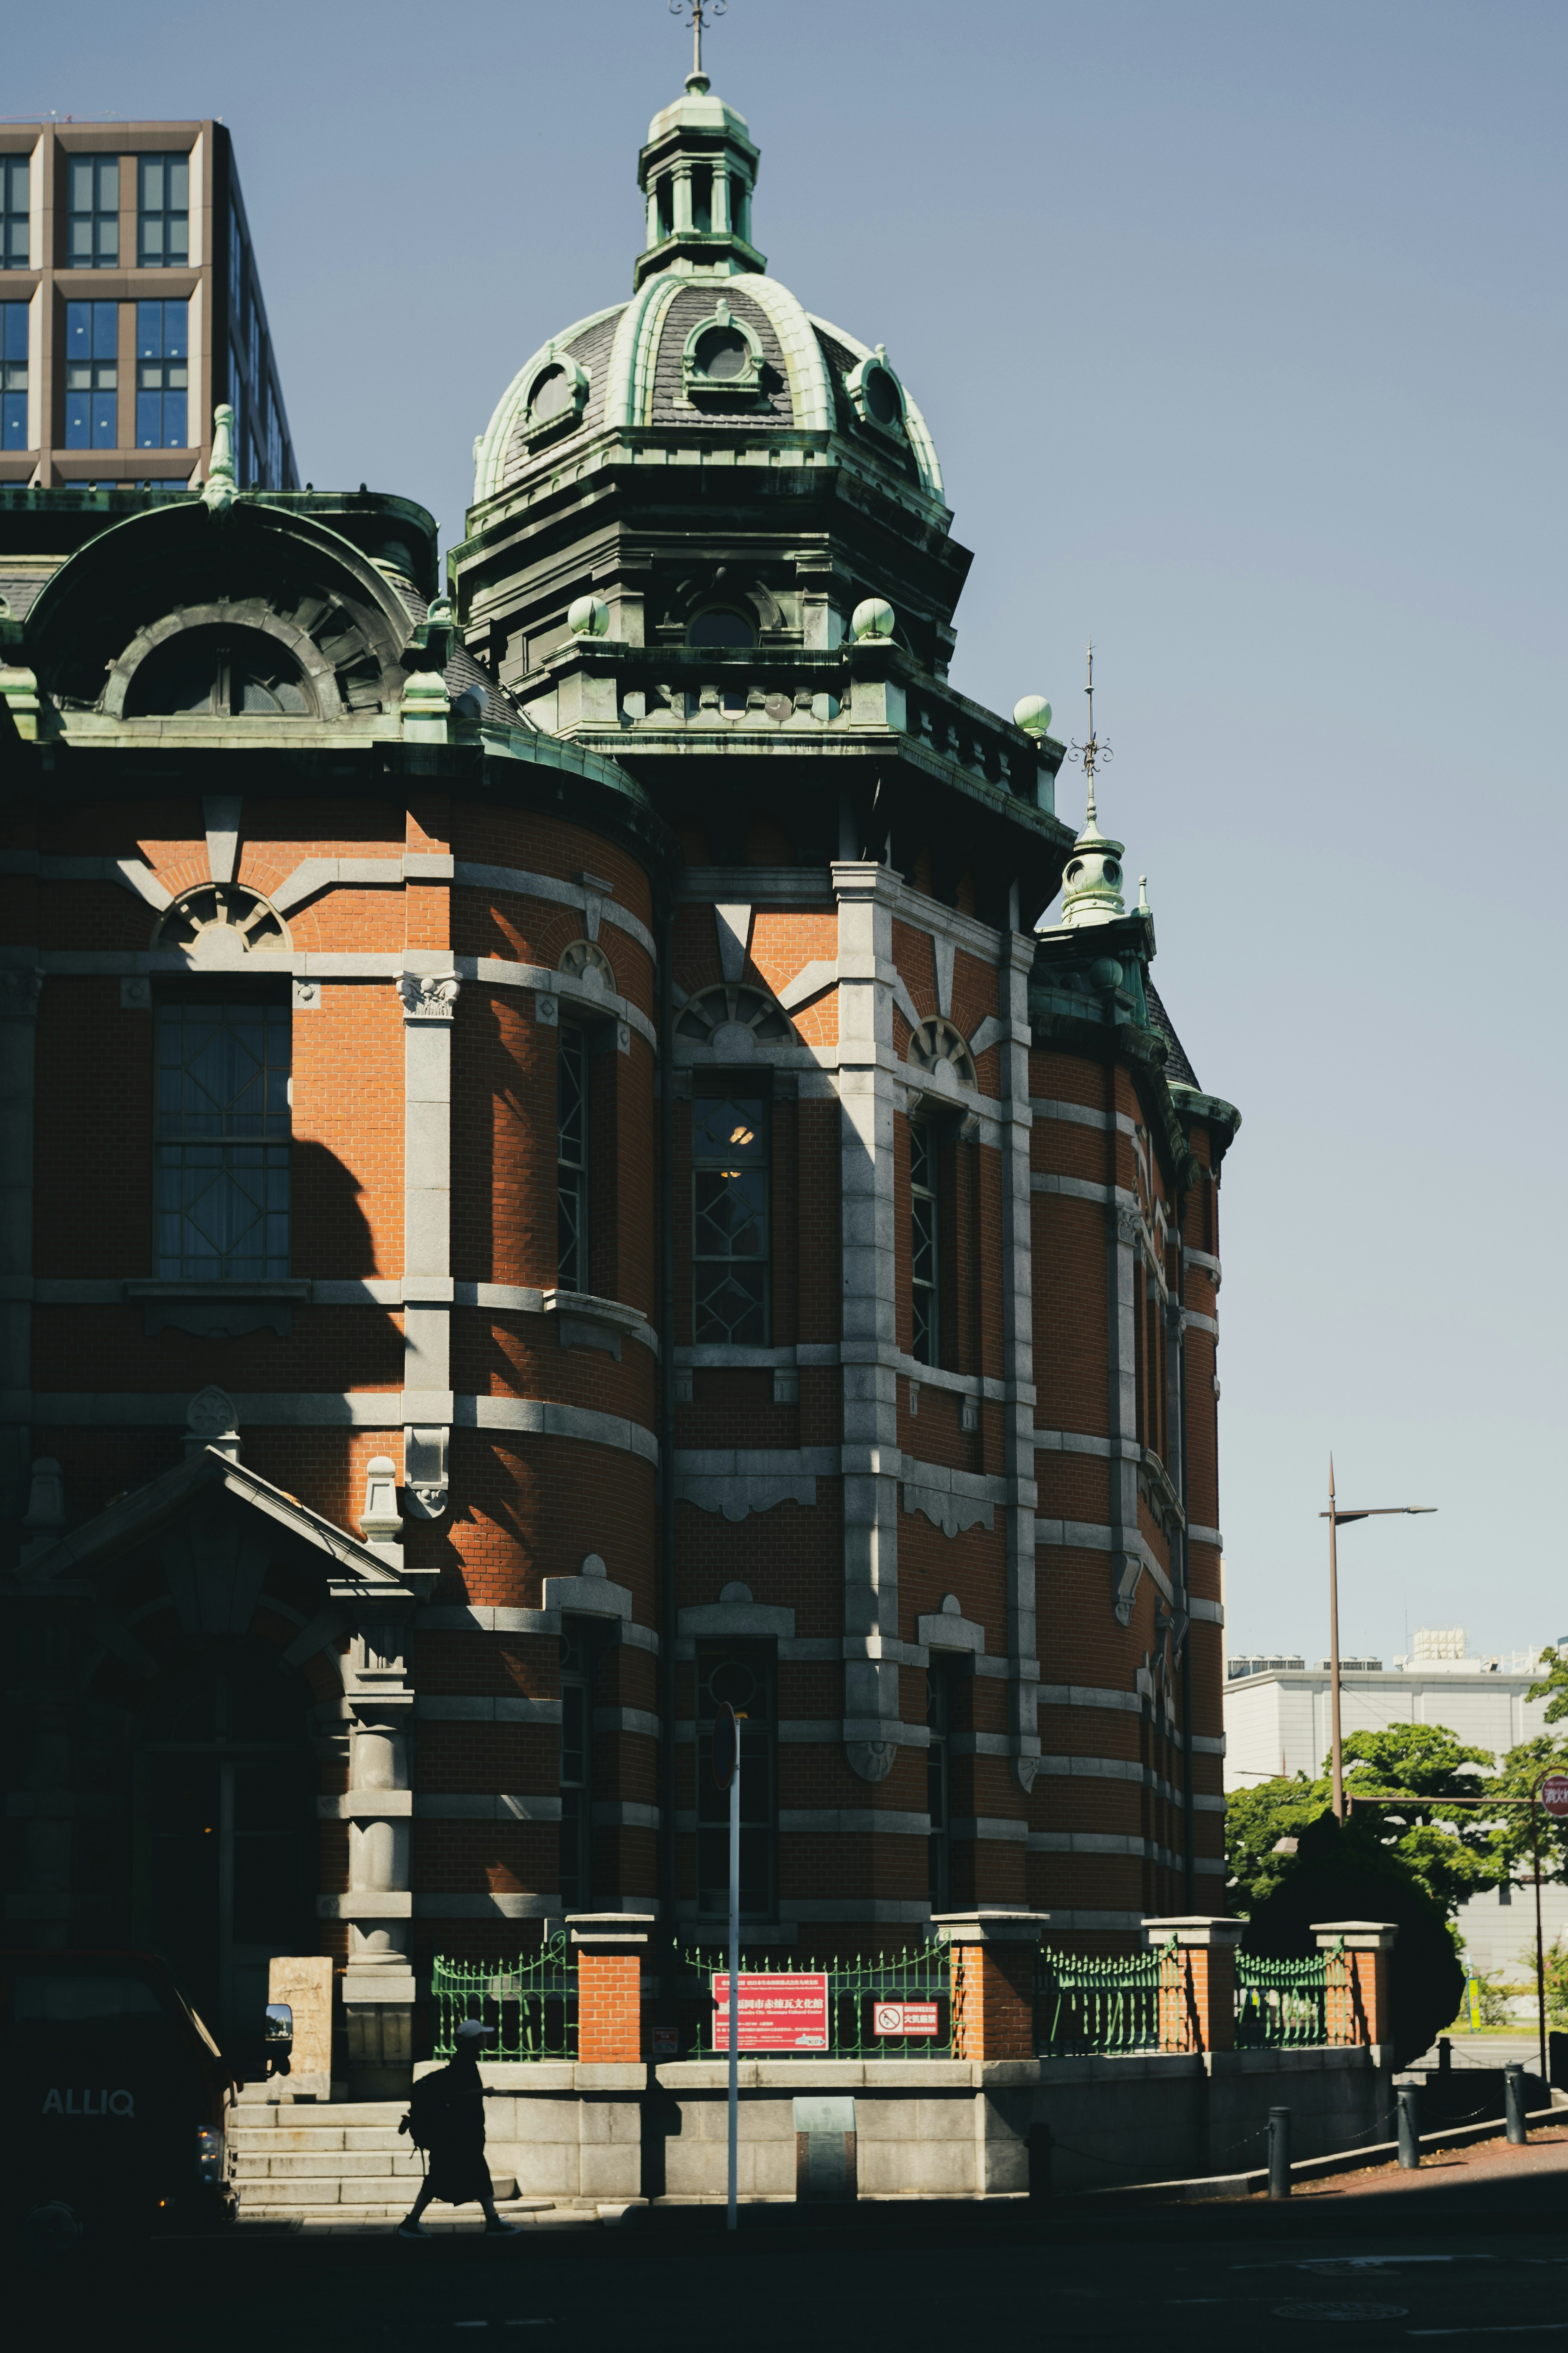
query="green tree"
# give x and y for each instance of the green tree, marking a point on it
(1451, 1851)
(1512, 1834)
(1554, 1685)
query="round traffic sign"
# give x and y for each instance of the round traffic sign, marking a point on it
(1554, 1793)
(726, 1744)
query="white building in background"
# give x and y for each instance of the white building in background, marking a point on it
(1277, 1722)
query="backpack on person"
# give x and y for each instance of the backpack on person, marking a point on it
(427, 2104)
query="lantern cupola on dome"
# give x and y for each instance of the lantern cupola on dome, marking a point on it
(697, 172)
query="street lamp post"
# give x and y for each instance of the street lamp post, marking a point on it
(1336, 1520)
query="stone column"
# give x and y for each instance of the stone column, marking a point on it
(20, 988)
(378, 1984)
(429, 1005)
(609, 1948)
(866, 1067)
(1018, 1343)
(682, 195)
(1358, 1990)
(992, 1981)
(1197, 2009)
(720, 202)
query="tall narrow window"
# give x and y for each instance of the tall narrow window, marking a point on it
(939, 1684)
(743, 1673)
(274, 477)
(223, 1128)
(571, 1159)
(92, 380)
(731, 1237)
(164, 212)
(13, 375)
(162, 374)
(94, 212)
(576, 1776)
(923, 1241)
(15, 206)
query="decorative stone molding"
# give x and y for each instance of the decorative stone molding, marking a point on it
(19, 994)
(1126, 1576)
(592, 1595)
(949, 1630)
(211, 1420)
(425, 1471)
(742, 1492)
(585, 1321)
(761, 1620)
(952, 1513)
(428, 998)
(589, 966)
(1129, 1223)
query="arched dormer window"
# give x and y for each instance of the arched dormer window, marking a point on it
(556, 397)
(216, 673)
(721, 625)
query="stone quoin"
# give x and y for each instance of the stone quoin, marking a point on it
(583, 1139)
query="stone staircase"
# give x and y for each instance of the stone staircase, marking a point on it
(340, 2161)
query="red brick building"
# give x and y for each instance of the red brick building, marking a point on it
(563, 1165)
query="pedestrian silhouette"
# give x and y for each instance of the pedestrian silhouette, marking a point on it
(446, 2119)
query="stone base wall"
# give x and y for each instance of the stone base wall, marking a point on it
(931, 2128)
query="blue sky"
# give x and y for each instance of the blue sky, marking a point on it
(1240, 330)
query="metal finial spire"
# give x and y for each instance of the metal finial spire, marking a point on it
(1091, 752)
(701, 12)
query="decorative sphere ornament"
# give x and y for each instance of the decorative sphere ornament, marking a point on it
(874, 618)
(589, 617)
(1033, 714)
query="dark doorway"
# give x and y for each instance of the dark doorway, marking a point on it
(225, 1846)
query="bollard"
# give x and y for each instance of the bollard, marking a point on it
(1409, 2096)
(1280, 2152)
(1513, 2102)
(1445, 2055)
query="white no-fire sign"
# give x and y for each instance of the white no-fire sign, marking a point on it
(916, 2018)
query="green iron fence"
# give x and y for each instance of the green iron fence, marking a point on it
(1086, 2004)
(858, 1988)
(1281, 2004)
(532, 2003)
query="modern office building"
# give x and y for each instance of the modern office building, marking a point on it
(130, 305)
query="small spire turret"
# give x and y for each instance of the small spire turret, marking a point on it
(1091, 883)
(697, 172)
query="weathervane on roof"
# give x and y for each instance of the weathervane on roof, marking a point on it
(1091, 753)
(701, 12)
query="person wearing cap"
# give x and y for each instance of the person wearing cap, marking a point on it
(448, 2119)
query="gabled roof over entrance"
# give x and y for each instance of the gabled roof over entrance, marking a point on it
(354, 1570)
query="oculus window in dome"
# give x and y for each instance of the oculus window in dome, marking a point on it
(877, 393)
(720, 625)
(723, 358)
(556, 397)
(215, 674)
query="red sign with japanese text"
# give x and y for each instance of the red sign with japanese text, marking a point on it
(918, 2018)
(1554, 1793)
(777, 2013)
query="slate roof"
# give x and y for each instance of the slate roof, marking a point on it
(1178, 1070)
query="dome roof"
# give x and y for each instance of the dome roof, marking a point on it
(629, 366)
(708, 340)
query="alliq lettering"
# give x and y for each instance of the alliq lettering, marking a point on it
(100, 2104)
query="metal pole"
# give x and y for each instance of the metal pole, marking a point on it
(1540, 1948)
(1334, 1650)
(1409, 2097)
(734, 1977)
(1513, 2102)
(1280, 2152)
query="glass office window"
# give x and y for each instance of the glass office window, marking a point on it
(94, 226)
(274, 444)
(164, 212)
(223, 1134)
(14, 200)
(162, 374)
(92, 397)
(13, 375)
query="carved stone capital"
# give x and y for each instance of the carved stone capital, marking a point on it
(19, 994)
(428, 998)
(872, 1759)
(1129, 1223)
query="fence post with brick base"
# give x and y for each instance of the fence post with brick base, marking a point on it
(992, 1981)
(1197, 2001)
(1357, 1994)
(609, 1947)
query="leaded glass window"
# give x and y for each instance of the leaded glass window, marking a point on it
(94, 212)
(576, 1768)
(222, 1130)
(92, 380)
(164, 212)
(731, 1224)
(923, 1243)
(13, 375)
(162, 374)
(743, 1673)
(572, 1160)
(16, 205)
